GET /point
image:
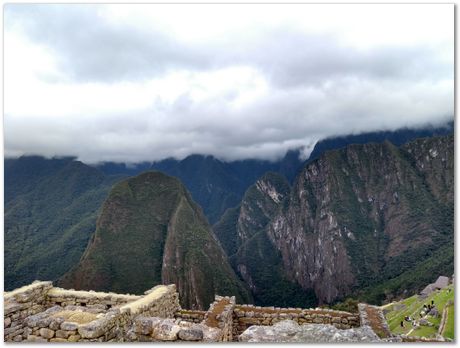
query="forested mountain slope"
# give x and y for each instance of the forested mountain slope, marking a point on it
(50, 211)
(150, 232)
(358, 221)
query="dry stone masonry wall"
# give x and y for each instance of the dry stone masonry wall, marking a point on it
(193, 316)
(248, 315)
(63, 297)
(220, 315)
(19, 305)
(41, 313)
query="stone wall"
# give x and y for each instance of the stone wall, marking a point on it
(62, 297)
(20, 304)
(192, 316)
(373, 317)
(154, 329)
(68, 324)
(248, 315)
(161, 301)
(41, 313)
(220, 316)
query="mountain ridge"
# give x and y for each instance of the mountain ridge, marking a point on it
(150, 231)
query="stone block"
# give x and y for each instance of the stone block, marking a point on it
(74, 338)
(55, 323)
(166, 331)
(13, 330)
(64, 333)
(58, 340)
(145, 326)
(336, 320)
(69, 326)
(46, 333)
(191, 334)
(11, 307)
(33, 338)
(97, 328)
(17, 338)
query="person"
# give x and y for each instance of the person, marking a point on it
(402, 323)
(432, 302)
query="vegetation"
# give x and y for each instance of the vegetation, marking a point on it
(150, 232)
(412, 306)
(216, 185)
(226, 230)
(48, 224)
(425, 218)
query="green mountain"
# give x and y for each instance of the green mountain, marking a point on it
(149, 232)
(216, 185)
(50, 213)
(367, 221)
(242, 234)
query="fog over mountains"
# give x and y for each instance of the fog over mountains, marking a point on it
(148, 82)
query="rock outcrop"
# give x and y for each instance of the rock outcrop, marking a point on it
(288, 331)
(354, 219)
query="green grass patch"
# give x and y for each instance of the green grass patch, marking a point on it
(413, 306)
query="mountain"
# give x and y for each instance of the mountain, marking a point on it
(24, 173)
(51, 207)
(115, 168)
(216, 185)
(397, 137)
(365, 221)
(150, 231)
(242, 234)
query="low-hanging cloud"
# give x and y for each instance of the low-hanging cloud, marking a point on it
(129, 93)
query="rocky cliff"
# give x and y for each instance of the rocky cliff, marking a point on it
(242, 232)
(355, 218)
(150, 231)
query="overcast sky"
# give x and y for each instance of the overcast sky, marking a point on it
(144, 82)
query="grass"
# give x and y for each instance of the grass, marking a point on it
(413, 306)
(449, 329)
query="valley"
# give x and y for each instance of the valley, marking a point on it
(364, 222)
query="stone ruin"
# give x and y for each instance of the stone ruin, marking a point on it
(40, 312)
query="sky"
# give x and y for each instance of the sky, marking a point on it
(131, 83)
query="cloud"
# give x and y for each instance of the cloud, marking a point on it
(102, 83)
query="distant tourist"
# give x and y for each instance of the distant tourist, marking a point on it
(402, 323)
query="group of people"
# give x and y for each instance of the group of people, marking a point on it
(426, 309)
(410, 320)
